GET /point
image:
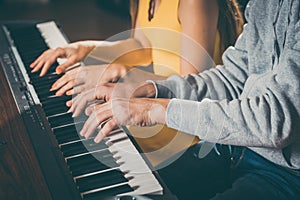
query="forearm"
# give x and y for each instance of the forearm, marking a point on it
(265, 115)
(128, 52)
(252, 122)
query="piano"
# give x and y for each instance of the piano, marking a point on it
(42, 155)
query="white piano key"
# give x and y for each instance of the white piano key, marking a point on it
(52, 34)
(53, 38)
(144, 184)
(128, 155)
(131, 163)
(117, 136)
(140, 175)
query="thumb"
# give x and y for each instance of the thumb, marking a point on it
(62, 67)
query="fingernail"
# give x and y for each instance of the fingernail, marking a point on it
(68, 93)
(58, 71)
(97, 140)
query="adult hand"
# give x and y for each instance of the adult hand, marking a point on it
(74, 52)
(86, 77)
(100, 93)
(123, 111)
(107, 91)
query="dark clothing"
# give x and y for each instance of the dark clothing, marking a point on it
(240, 174)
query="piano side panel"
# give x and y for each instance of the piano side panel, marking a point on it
(21, 176)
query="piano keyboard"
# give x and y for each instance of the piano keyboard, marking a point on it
(111, 168)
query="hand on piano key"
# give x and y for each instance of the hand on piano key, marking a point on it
(106, 91)
(94, 95)
(73, 53)
(84, 78)
(123, 111)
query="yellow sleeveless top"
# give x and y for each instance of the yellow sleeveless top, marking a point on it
(160, 143)
(164, 34)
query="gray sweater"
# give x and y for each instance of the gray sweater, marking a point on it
(253, 99)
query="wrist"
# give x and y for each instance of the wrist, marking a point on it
(151, 89)
(146, 90)
(157, 112)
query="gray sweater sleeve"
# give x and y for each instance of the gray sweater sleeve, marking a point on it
(232, 106)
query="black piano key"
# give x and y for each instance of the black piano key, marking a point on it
(91, 163)
(82, 147)
(36, 51)
(42, 82)
(109, 193)
(18, 38)
(102, 155)
(46, 78)
(54, 105)
(42, 88)
(60, 120)
(57, 99)
(54, 110)
(51, 70)
(65, 130)
(44, 95)
(100, 180)
(68, 129)
(27, 32)
(92, 167)
(61, 139)
(30, 44)
(68, 133)
(68, 137)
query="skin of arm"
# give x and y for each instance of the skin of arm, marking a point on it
(130, 52)
(135, 51)
(198, 19)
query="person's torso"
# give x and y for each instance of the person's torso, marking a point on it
(164, 33)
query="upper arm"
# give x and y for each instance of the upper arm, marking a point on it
(198, 19)
(140, 36)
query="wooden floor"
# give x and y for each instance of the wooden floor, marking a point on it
(79, 19)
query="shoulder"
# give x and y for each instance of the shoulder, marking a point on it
(195, 3)
(197, 6)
